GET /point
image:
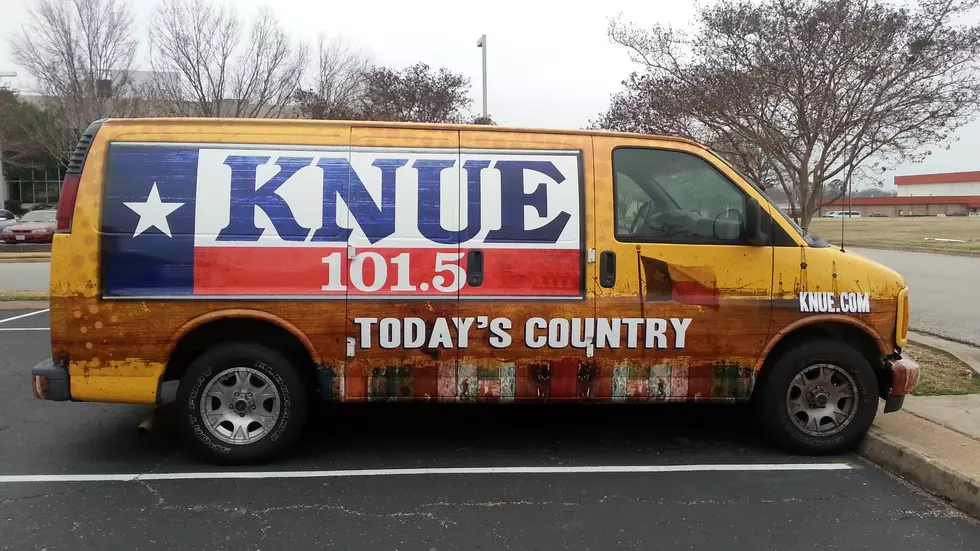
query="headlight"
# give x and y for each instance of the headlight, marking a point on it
(39, 231)
(7, 230)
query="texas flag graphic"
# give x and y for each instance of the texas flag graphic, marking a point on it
(694, 285)
(334, 222)
(148, 221)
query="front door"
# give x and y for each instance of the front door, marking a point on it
(683, 305)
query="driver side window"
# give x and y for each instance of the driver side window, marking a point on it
(666, 196)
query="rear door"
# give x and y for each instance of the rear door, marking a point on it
(526, 314)
(404, 270)
(683, 305)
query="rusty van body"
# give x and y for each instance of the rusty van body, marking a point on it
(264, 264)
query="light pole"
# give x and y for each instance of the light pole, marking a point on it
(3, 181)
(482, 44)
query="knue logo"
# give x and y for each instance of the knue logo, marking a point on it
(857, 303)
(341, 182)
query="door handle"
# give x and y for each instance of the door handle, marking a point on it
(607, 269)
(474, 268)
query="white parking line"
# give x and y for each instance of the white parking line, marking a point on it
(25, 315)
(222, 475)
(25, 328)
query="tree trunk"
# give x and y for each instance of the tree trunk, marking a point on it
(805, 218)
(805, 192)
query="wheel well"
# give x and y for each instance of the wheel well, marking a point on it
(853, 336)
(267, 333)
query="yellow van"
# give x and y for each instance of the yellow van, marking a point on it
(265, 264)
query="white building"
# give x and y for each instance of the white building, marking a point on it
(950, 184)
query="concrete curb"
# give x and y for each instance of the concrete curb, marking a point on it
(931, 474)
(24, 248)
(941, 424)
(23, 304)
(28, 259)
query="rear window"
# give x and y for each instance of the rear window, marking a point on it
(40, 216)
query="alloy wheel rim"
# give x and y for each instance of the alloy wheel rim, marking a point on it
(822, 400)
(240, 405)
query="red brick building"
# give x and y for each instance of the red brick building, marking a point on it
(907, 206)
(948, 193)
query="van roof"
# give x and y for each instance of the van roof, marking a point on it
(418, 125)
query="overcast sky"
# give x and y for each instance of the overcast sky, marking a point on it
(548, 65)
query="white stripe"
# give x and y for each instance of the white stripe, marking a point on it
(222, 475)
(24, 329)
(25, 315)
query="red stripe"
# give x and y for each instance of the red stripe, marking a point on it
(690, 292)
(302, 271)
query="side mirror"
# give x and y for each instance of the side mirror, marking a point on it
(753, 223)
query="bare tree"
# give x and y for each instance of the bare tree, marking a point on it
(415, 94)
(821, 89)
(80, 54)
(482, 119)
(204, 65)
(337, 86)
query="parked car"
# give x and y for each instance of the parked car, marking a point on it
(940, 215)
(37, 226)
(878, 215)
(843, 214)
(974, 213)
(7, 218)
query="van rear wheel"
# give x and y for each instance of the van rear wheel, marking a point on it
(241, 403)
(819, 398)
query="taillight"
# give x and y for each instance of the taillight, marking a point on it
(73, 175)
(66, 203)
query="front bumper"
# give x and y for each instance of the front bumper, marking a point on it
(905, 377)
(51, 381)
(27, 238)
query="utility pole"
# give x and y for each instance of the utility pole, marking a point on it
(3, 181)
(482, 44)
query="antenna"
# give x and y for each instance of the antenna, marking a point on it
(847, 213)
(842, 216)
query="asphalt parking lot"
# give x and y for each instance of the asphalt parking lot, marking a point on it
(739, 495)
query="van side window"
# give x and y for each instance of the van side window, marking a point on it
(673, 197)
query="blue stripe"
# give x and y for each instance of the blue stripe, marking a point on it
(151, 263)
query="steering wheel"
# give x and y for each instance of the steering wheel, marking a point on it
(714, 223)
(641, 215)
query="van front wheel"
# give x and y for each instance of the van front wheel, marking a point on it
(819, 398)
(241, 403)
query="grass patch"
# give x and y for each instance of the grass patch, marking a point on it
(941, 373)
(904, 233)
(7, 296)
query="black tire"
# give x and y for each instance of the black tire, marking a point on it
(286, 380)
(771, 400)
